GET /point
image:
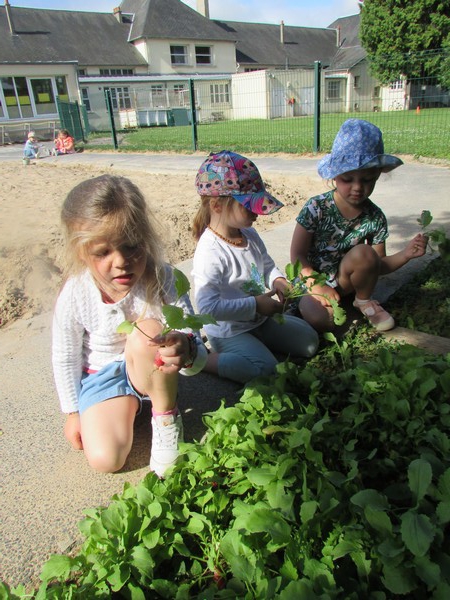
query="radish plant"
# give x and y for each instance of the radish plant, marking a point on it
(299, 288)
(438, 236)
(174, 316)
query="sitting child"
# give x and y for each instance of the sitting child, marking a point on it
(236, 281)
(31, 147)
(64, 143)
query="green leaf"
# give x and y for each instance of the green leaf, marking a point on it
(443, 512)
(141, 558)
(428, 571)
(370, 498)
(57, 567)
(119, 576)
(126, 327)
(425, 218)
(417, 532)
(174, 316)
(419, 477)
(378, 519)
(261, 476)
(268, 521)
(182, 284)
(308, 510)
(398, 580)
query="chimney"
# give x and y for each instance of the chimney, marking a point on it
(282, 32)
(118, 13)
(9, 17)
(338, 36)
(203, 7)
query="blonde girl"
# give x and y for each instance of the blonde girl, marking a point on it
(236, 281)
(115, 272)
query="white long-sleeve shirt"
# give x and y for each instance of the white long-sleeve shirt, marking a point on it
(85, 334)
(227, 279)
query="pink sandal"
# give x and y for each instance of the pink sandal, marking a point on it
(376, 315)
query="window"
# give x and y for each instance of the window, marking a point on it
(357, 81)
(115, 72)
(81, 72)
(376, 91)
(179, 55)
(85, 98)
(396, 85)
(32, 97)
(61, 88)
(203, 55)
(219, 93)
(120, 97)
(333, 89)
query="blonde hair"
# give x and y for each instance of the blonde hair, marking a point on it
(114, 208)
(203, 217)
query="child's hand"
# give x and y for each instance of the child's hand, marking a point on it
(173, 351)
(417, 246)
(266, 305)
(72, 431)
(324, 293)
(282, 288)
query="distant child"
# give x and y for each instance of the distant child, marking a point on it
(233, 271)
(115, 272)
(64, 143)
(31, 147)
(342, 232)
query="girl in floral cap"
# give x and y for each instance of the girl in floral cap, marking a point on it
(342, 233)
(236, 281)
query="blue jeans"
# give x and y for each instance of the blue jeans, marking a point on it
(250, 354)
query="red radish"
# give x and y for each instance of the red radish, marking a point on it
(158, 362)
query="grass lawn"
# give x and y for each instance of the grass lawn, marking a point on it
(404, 132)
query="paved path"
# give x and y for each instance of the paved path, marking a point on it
(45, 484)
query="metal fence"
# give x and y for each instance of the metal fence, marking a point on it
(291, 111)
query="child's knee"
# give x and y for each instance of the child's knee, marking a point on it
(140, 340)
(105, 461)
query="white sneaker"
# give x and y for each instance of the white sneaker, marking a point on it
(167, 431)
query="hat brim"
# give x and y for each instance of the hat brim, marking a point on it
(329, 168)
(259, 203)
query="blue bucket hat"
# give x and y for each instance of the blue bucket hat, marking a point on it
(357, 145)
(229, 174)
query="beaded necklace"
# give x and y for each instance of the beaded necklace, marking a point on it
(228, 241)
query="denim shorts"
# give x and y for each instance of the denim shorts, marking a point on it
(111, 381)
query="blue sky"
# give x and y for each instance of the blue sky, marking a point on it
(307, 13)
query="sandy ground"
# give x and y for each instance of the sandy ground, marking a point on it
(30, 236)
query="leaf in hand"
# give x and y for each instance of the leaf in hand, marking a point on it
(425, 219)
(182, 284)
(197, 321)
(126, 327)
(339, 316)
(174, 316)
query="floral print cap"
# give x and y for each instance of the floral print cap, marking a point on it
(357, 145)
(229, 174)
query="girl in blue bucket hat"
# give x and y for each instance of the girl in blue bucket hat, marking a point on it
(342, 233)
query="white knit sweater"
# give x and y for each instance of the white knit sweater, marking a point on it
(85, 337)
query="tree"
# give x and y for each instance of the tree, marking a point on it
(404, 37)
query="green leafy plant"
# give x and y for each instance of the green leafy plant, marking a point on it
(319, 483)
(174, 316)
(299, 288)
(438, 236)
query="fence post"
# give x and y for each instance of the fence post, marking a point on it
(317, 85)
(109, 108)
(193, 113)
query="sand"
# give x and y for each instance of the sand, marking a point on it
(30, 233)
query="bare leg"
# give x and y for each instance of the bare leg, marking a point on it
(318, 316)
(359, 271)
(162, 388)
(107, 432)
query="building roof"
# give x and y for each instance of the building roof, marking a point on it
(350, 51)
(170, 19)
(260, 44)
(65, 36)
